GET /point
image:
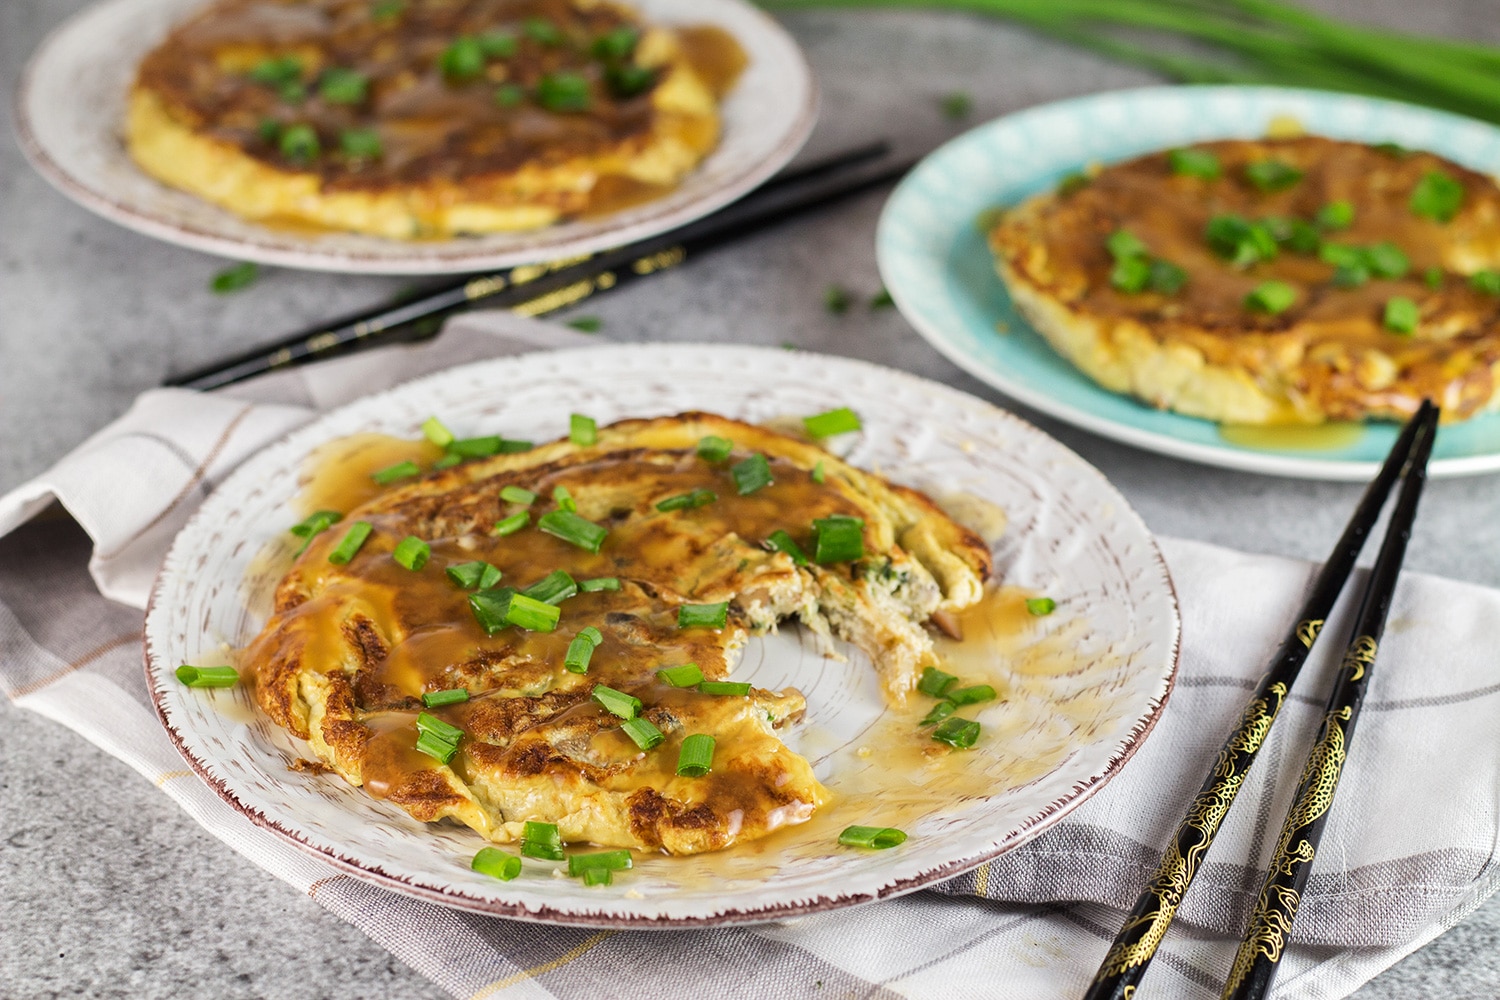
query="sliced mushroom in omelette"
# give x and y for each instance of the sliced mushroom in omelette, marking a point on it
(663, 543)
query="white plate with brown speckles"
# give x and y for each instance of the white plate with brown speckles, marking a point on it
(1080, 687)
(70, 114)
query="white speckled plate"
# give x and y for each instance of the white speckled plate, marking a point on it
(1096, 672)
(70, 110)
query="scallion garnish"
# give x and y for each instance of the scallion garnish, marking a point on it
(1131, 275)
(1335, 215)
(1239, 241)
(437, 727)
(610, 861)
(361, 143)
(817, 472)
(515, 494)
(713, 448)
(838, 539)
(703, 615)
(839, 421)
(541, 840)
(476, 575)
(688, 501)
(532, 849)
(1272, 175)
(971, 695)
(783, 542)
(1387, 260)
(1432, 277)
(598, 876)
(448, 461)
(564, 499)
(434, 431)
(510, 447)
(645, 735)
(958, 733)
(208, 677)
(626, 706)
(436, 748)
(1485, 282)
(539, 29)
(582, 431)
(299, 143)
(751, 474)
(554, 588)
(586, 324)
(616, 44)
(684, 675)
(1401, 315)
(881, 299)
(1040, 606)
(1166, 277)
(241, 275)
(939, 712)
(1271, 297)
(599, 583)
(956, 105)
(1437, 196)
(496, 863)
(412, 552)
(501, 606)
(343, 86)
(836, 300)
(877, 838)
(1195, 163)
(510, 525)
(386, 10)
(935, 682)
(463, 60)
(497, 44)
(563, 92)
(476, 447)
(314, 524)
(1294, 234)
(696, 757)
(509, 95)
(1124, 245)
(581, 649)
(450, 696)
(350, 543)
(724, 689)
(573, 529)
(392, 473)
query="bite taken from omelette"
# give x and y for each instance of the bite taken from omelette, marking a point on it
(1292, 280)
(424, 119)
(534, 636)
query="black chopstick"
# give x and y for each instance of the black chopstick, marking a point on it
(533, 289)
(1133, 948)
(1265, 941)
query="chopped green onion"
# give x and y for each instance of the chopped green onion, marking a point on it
(838, 539)
(496, 863)
(545, 834)
(510, 525)
(783, 542)
(688, 501)
(882, 299)
(629, 80)
(685, 675)
(1401, 315)
(573, 529)
(208, 677)
(539, 29)
(817, 472)
(971, 695)
(1124, 245)
(939, 712)
(696, 757)
(509, 95)
(434, 431)
(299, 143)
(1485, 282)
(581, 650)
(497, 44)
(1392, 149)
(1335, 215)
(546, 852)
(475, 447)
(615, 861)
(1437, 196)
(836, 300)
(1432, 277)
(1195, 163)
(725, 689)
(515, 494)
(935, 682)
(1272, 175)
(437, 727)
(1296, 234)
(448, 461)
(582, 431)
(1131, 275)
(343, 86)
(1386, 260)
(703, 615)
(1350, 277)
(1040, 606)
(412, 552)
(501, 606)
(361, 143)
(626, 706)
(956, 732)
(1239, 241)
(1068, 184)
(877, 838)
(554, 588)
(476, 575)
(562, 92)
(1271, 297)
(564, 499)
(350, 543)
(314, 524)
(712, 448)
(645, 735)
(616, 44)
(232, 279)
(598, 876)
(385, 10)
(586, 324)
(277, 70)
(392, 473)
(451, 696)
(956, 105)
(1166, 277)
(269, 130)
(434, 747)
(509, 447)
(463, 60)
(839, 421)
(751, 474)
(599, 583)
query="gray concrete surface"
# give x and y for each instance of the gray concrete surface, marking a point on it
(107, 890)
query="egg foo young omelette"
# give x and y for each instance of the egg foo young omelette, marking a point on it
(1295, 280)
(535, 635)
(424, 119)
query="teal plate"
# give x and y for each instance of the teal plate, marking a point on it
(938, 269)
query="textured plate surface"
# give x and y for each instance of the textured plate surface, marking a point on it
(1070, 535)
(70, 110)
(941, 274)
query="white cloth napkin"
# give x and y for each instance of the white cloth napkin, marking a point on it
(1411, 845)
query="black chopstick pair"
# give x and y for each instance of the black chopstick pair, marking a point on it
(1257, 959)
(534, 289)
